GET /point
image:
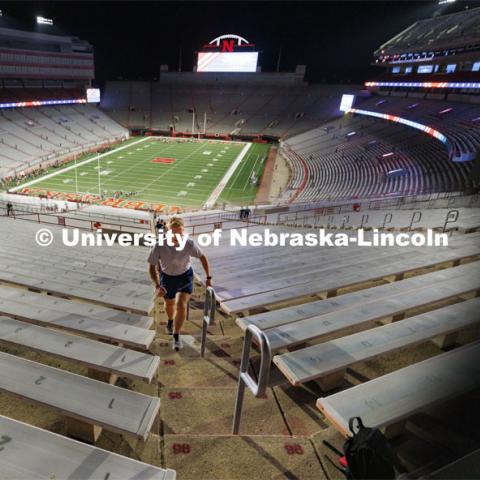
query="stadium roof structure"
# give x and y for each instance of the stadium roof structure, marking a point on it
(456, 30)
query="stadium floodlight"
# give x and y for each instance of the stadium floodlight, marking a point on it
(44, 21)
(443, 2)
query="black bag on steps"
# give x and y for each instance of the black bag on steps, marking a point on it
(368, 453)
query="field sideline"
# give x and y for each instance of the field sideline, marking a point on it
(156, 171)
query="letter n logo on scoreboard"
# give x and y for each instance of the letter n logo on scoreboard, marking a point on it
(228, 45)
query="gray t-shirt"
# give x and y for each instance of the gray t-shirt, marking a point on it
(173, 261)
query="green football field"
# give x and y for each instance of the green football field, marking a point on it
(157, 171)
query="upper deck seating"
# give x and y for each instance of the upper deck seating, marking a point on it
(360, 157)
(30, 136)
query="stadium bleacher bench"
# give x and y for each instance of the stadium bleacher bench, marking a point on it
(88, 405)
(331, 282)
(108, 278)
(68, 306)
(295, 313)
(327, 362)
(33, 453)
(389, 400)
(298, 332)
(103, 329)
(98, 357)
(69, 287)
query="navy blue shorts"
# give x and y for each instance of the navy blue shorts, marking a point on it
(177, 283)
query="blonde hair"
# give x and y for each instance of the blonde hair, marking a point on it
(175, 222)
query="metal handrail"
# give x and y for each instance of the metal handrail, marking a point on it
(416, 217)
(453, 219)
(365, 218)
(258, 388)
(387, 219)
(209, 308)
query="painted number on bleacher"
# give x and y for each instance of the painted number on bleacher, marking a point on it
(294, 449)
(169, 362)
(181, 448)
(175, 395)
(373, 403)
(4, 440)
(39, 380)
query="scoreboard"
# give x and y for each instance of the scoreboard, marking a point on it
(228, 53)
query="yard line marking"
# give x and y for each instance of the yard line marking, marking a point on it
(223, 183)
(175, 165)
(250, 175)
(134, 166)
(71, 167)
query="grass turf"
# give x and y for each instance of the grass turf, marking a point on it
(196, 169)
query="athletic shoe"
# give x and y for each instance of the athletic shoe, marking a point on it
(169, 330)
(177, 344)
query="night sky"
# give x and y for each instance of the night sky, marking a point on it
(335, 39)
